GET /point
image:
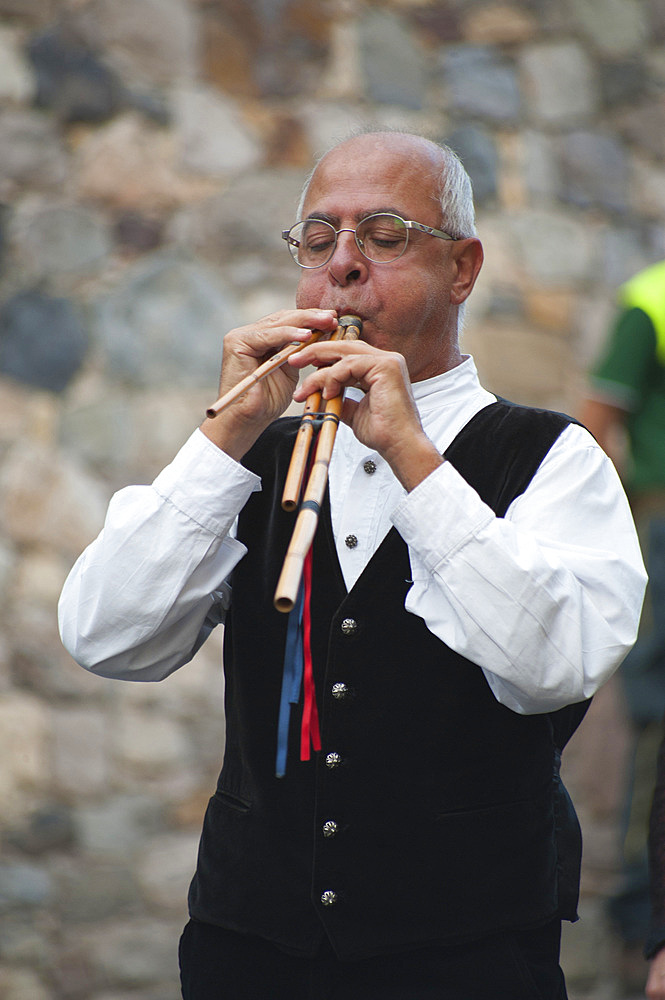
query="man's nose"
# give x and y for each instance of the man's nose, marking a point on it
(347, 264)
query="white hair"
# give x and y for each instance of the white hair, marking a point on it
(455, 192)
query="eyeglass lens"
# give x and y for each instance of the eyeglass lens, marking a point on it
(380, 238)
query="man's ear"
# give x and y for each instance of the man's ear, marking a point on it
(469, 260)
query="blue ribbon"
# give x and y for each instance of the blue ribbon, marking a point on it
(291, 679)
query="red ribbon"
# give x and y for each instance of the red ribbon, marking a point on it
(310, 736)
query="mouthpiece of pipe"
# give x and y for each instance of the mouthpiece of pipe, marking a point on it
(350, 320)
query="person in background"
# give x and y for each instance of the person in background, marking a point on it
(389, 822)
(625, 410)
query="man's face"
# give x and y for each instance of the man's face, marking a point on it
(405, 305)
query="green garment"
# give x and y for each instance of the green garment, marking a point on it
(630, 375)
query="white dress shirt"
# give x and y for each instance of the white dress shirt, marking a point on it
(546, 600)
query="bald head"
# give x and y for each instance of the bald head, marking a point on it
(401, 144)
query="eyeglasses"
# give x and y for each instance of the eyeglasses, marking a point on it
(381, 238)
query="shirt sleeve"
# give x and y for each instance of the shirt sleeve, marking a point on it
(547, 599)
(145, 594)
(621, 373)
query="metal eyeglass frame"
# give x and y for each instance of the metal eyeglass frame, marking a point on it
(407, 223)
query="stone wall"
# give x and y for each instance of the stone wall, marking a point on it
(152, 151)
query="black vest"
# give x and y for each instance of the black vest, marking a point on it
(449, 819)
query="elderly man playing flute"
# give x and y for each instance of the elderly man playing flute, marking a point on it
(389, 822)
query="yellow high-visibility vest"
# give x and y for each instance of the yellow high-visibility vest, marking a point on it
(646, 291)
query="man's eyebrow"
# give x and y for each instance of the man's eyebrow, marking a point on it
(386, 210)
(321, 217)
(358, 216)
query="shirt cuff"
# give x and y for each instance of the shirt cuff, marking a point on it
(206, 484)
(440, 515)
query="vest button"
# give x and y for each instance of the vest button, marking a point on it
(333, 760)
(370, 467)
(329, 897)
(330, 828)
(339, 691)
(349, 626)
(351, 541)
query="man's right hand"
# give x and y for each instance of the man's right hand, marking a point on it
(236, 429)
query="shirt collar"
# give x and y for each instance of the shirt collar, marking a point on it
(449, 388)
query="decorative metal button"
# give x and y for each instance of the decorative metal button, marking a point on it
(333, 760)
(351, 541)
(349, 626)
(370, 467)
(329, 897)
(339, 691)
(330, 828)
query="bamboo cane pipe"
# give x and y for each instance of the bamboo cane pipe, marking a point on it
(347, 329)
(304, 531)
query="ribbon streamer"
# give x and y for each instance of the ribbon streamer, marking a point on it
(298, 672)
(310, 736)
(291, 680)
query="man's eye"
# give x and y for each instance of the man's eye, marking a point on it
(384, 238)
(317, 237)
(385, 241)
(319, 245)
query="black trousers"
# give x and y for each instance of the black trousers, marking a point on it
(218, 964)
